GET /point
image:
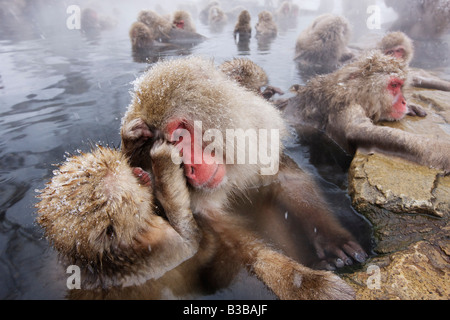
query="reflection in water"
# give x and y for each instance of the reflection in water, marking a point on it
(62, 90)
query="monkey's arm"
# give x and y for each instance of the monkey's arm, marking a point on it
(286, 278)
(430, 82)
(360, 132)
(300, 196)
(172, 192)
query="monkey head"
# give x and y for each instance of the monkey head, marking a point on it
(398, 45)
(194, 103)
(94, 211)
(376, 83)
(141, 36)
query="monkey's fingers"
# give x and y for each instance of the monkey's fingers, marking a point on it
(143, 177)
(355, 251)
(416, 111)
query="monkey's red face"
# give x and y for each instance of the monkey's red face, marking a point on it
(397, 52)
(202, 170)
(180, 24)
(399, 106)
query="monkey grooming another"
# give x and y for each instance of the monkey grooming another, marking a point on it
(348, 104)
(175, 97)
(101, 215)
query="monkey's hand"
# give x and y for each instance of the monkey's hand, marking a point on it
(290, 280)
(172, 191)
(336, 249)
(134, 135)
(415, 110)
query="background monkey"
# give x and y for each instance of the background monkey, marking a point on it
(175, 94)
(400, 46)
(243, 29)
(322, 47)
(183, 20)
(101, 214)
(348, 103)
(249, 75)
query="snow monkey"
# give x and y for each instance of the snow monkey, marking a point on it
(192, 102)
(322, 47)
(183, 20)
(133, 234)
(348, 104)
(243, 29)
(400, 46)
(249, 75)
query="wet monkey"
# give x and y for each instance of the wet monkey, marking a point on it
(243, 29)
(102, 215)
(133, 234)
(179, 95)
(183, 20)
(266, 27)
(249, 75)
(348, 104)
(323, 46)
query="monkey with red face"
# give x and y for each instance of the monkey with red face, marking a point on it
(193, 102)
(348, 104)
(400, 46)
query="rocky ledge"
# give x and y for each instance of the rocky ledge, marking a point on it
(409, 208)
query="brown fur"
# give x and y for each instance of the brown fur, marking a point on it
(246, 73)
(141, 36)
(99, 216)
(349, 102)
(243, 27)
(159, 26)
(186, 17)
(266, 27)
(397, 39)
(323, 45)
(192, 89)
(217, 19)
(419, 78)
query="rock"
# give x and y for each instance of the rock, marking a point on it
(420, 272)
(409, 208)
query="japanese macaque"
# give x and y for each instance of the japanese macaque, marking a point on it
(249, 75)
(91, 21)
(243, 29)
(204, 13)
(421, 19)
(287, 15)
(133, 235)
(266, 27)
(217, 19)
(400, 46)
(152, 30)
(159, 26)
(188, 99)
(141, 36)
(101, 214)
(322, 47)
(182, 20)
(348, 104)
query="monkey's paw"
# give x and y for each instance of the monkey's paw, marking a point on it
(337, 252)
(136, 133)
